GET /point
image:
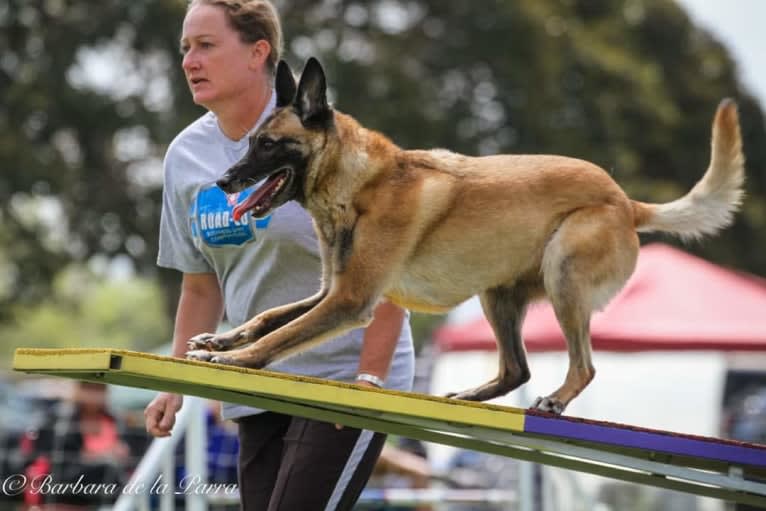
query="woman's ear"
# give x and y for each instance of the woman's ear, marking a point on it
(259, 53)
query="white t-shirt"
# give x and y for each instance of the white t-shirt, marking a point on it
(260, 263)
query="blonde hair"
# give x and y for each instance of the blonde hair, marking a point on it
(253, 20)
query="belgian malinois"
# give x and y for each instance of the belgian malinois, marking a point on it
(429, 229)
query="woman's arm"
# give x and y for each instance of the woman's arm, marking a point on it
(380, 339)
(200, 309)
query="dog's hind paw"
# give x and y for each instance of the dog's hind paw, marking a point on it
(549, 404)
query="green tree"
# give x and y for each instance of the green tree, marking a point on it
(87, 108)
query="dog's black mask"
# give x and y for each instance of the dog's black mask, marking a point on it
(276, 156)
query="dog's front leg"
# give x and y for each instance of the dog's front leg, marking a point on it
(267, 321)
(355, 289)
(332, 316)
(252, 330)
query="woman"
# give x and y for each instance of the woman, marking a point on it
(243, 267)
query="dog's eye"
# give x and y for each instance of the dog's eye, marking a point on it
(266, 143)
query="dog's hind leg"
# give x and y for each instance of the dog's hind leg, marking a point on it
(585, 264)
(504, 308)
(575, 322)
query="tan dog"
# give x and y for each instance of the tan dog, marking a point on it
(429, 229)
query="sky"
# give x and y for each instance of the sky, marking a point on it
(739, 25)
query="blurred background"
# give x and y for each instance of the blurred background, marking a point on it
(91, 94)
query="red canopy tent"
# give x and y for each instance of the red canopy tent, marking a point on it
(673, 301)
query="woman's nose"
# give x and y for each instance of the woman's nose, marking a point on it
(189, 61)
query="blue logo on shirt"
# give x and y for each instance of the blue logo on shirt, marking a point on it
(212, 220)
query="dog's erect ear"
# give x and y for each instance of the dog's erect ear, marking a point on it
(285, 84)
(311, 101)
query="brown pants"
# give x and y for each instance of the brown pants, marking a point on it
(289, 463)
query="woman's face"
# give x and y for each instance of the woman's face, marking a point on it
(218, 66)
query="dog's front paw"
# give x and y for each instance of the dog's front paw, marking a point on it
(222, 358)
(549, 404)
(201, 342)
(464, 396)
(216, 358)
(201, 355)
(213, 342)
(212, 356)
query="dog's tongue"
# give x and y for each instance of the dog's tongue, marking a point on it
(255, 197)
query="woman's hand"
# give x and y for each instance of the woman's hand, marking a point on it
(160, 414)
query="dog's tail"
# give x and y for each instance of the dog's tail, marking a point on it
(711, 204)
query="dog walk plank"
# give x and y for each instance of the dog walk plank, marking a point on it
(643, 438)
(713, 467)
